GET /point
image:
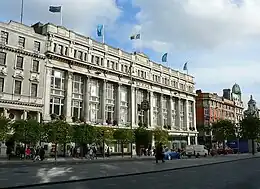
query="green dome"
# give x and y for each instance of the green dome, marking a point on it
(236, 89)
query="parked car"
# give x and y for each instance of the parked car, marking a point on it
(225, 151)
(169, 155)
(196, 150)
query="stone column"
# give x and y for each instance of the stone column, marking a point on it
(170, 112)
(186, 114)
(196, 139)
(178, 117)
(161, 110)
(103, 102)
(68, 97)
(38, 117)
(47, 95)
(132, 104)
(86, 99)
(25, 115)
(6, 113)
(194, 115)
(151, 109)
(188, 140)
(136, 107)
(118, 103)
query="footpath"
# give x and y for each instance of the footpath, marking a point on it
(46, 174)
(69, 160)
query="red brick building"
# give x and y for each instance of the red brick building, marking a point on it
(210, 107)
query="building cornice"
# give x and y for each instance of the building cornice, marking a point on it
(21, 51)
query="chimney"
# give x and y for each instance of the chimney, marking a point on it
(226, 94)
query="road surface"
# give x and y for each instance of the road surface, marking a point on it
(46, 173)
(238, 174)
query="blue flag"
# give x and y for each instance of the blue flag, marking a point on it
(164, 57)
(55, 9)
(99, 30)
(185, 67)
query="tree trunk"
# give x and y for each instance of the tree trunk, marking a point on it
(253, 146)
(122, 148)
(55, 151)
(64, 150)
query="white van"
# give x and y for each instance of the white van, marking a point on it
(196, 150)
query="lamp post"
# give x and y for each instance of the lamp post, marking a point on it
(237, 136)
(103, 143)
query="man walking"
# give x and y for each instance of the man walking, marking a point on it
(159, 153)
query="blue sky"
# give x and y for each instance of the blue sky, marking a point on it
(219, 38)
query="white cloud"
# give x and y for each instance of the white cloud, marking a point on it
(79, 15)
(188, 24)
(217, 37)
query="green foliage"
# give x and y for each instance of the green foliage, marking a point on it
(124, 135)
(4, 128)
(26, 131)
(58, 131)
(104, 133)
(204, 128)
(250, 128)
(84, 134)
(142, 136)
(160, 135)
(224, 130)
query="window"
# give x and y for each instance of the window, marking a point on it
(56, 105)
(4, 37)
(80, 55)
(37, 46)
(19, 62)
(60, 49)
(57, 79)
(34, 88)
(66, 51)
(21, 41)
(17, 87)
(156, 105)
(77, 87)
(124, 111)
(110, 96)
(76, 108)
(2, 84)
(165, 110)
(35, 66)
(2, 58)
(94, 101)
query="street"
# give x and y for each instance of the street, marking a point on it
(238, 174)
(46, 173)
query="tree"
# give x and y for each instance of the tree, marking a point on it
(142, 138)
(104, 134)
(160, 135)
(58, 132)
(250, 129)
(26, 131)
(224, 130)
(84, 134)
(124, 136)
(4, 128)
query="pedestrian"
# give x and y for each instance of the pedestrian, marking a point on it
(159, 153)
(42, 153)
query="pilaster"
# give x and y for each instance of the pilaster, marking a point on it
(68, 97)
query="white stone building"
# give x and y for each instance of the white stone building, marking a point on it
(96, 83)
(85, 80)
(22, 66)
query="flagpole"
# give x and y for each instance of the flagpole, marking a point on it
(61, 16)
(22, 12)
(103, 36)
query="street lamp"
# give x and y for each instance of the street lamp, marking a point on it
(237, 136)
